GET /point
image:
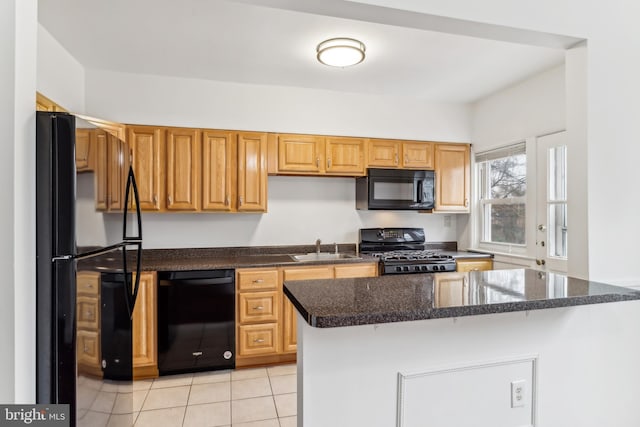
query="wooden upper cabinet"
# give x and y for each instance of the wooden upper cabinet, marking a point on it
(218, 170)
(183, 169)
(252, 172)
(45, 104)
(452, 164)
(84, 149)
(145, 143)
(345, 156)
(111, 164)
(384, 153)
(417, 155)
(300, 154)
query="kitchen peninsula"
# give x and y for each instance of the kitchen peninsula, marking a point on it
(492, 348)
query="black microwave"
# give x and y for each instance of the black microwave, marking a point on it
(396, 189)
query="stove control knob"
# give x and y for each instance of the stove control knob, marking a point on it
(425, 268)
(417, 268)
(405, 268)
(398, 268)
(442, 268)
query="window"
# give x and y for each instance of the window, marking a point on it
(502, 180)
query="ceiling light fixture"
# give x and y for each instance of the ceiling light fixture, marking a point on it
(341, 52)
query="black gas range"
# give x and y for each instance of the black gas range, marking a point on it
(403, 250)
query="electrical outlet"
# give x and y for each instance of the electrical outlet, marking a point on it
(518, 391)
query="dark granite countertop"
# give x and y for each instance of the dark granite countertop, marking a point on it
(220, 258)
(406, 297)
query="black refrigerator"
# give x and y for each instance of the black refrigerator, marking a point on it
(57, 257)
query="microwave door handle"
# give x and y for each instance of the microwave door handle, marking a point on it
(420, 191)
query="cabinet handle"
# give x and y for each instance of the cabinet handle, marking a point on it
(226, 201)
(89, 285)
(86, 349)
(89, 314)
(170, 199)
(155, 199)
(466, 203)
(240, 201)
(317, 162)
(258, 281)
(328, 163)
(258, 340)
(258, 308)
(396, 158)
(406, 158)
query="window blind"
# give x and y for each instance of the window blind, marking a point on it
(499, 153)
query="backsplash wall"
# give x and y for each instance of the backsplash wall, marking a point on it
(300, 210)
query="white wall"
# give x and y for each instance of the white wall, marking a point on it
(17, 223)
(300, 210)
(533, 107)
(60, 77)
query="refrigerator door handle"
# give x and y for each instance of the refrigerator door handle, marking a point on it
(131, 184)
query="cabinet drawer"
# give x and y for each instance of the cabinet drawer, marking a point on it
(88, 283)
(258, 307)
(308, 273)
(88, 347)
(88, 313)
(251, 280)
(259, 339)
(474, 265)
(356, 270)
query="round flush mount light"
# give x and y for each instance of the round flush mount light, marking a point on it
(340, 52)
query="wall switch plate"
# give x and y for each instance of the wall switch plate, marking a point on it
(518, 389)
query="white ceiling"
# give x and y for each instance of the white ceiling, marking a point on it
(245, 43)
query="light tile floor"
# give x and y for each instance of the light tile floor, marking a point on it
(260, 397)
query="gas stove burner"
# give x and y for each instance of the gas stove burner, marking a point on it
(402, 250)
(411, 255)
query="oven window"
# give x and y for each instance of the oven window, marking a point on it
(393, 191)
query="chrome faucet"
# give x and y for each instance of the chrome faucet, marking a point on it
(318, 246)
(336, 245)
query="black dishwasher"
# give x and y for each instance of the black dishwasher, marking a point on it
(196, 321)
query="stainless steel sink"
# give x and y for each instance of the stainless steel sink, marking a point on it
(323, 256)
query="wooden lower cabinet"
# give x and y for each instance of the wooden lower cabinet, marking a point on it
(474, 264)
(450, 289)
(88, 323)
(145, 321)
(266, 319)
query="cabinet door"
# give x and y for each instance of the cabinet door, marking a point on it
(383, 153)
(83, 149)
(452, 177)
(218, 170)
(117, 160)
(418, 155)
(183, 169)
(101, 170)
(145, 143)
(145, 350)
(300, 153)
(450, 289)
(252, 172)
(345, 156)
(289, 333)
